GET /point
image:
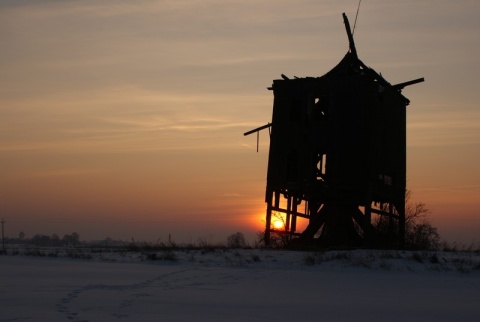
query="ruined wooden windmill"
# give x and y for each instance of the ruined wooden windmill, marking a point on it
(337, 155)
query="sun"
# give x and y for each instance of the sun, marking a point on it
(278, 224)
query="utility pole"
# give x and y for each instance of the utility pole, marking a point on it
(3, 235)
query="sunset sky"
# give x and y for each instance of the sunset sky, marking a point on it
(125, 119)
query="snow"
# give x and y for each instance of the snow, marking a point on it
(241, 285)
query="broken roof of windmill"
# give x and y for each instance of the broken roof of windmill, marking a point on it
(352, 65)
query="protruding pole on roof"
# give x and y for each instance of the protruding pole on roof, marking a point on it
(412, 82)
(353, 50)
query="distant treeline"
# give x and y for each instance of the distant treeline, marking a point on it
(236, 240)
(54, 240)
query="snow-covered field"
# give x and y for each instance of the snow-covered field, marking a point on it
(242, 285)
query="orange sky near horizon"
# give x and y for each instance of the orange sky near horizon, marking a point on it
(125, 119)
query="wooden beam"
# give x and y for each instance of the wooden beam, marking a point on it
(384, 213)
(353, 50)
(258, 129)
(412, 82)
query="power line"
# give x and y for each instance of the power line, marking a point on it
(356, 16)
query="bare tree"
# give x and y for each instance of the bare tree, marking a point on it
(236, 240)
(419, 233)
(71, 240)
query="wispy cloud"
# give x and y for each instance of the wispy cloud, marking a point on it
(444, 128)
(121, 119)
(67, 172)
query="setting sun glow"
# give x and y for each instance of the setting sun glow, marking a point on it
(278, 224)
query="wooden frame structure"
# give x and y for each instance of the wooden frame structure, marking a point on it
(337, 155)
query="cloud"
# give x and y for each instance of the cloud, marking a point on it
(121, 119)
(444, 128)
(462, 188)
(232, 195)
(67, 172)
